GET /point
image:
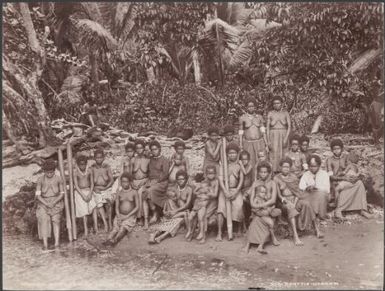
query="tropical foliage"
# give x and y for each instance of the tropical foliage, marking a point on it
(155, 63)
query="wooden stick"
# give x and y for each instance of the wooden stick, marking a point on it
(229, 220)
(72, 202)
(241, 132)
(66, 205)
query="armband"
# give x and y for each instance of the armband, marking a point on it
(241, 131)
(305, 166)
(62, 192)
(38, 193)
(263, 129)
(330, 173)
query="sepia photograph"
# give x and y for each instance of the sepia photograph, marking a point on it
(193, 145)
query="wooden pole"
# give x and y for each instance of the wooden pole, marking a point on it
(66, 204)
(72, 202)
(229, 220)
(241, 132)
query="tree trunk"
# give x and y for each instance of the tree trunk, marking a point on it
(8, 129)
(197, 69)
(150, 75)
(94, 72)
(31, 86)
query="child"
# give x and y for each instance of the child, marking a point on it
(177, 164)
(248, 173)
(203, 192)
(127, 165)
(267, 212)
(228, 132)
(84, 186)
(140, 177)
(262, 159)
(50, 205)
(211, 207)
(212, 149)
(304, 145)
(126, 206)
(180, 147)
(299, 164)
(233, 193)
(103, 181)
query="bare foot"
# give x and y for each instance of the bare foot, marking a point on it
(140, 222)
(367, 215)
(145, 227)
(275, 242)
(261, 250)
(338, 214)
(320, 234)
(187, 234)
(202, 240)
(157, 240)
(153, 219)
(106, 229)
(189, 238)
(230, 237)
(151, 240)
(219, 237)
(200, 236)
(298, 242)
(245, 249)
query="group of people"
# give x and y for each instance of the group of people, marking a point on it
(266, 175)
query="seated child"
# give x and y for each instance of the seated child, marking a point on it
(50, 204)
(103, 181)
(298, 158)
(126, 207)
(84, 186)
(267, 213)
(203, 192)
(180, 147)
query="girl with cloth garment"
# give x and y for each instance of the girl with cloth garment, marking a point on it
(175, 214)
(260, 231)
(155, 189)
(212, 149)
(351, 191)
(233, 194)
(316, 184)
(84, 187)
(253, 131)
(294, 202)
(278, 131)
(50, 205)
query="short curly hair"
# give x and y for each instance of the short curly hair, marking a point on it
(49, 165)
(336, 142)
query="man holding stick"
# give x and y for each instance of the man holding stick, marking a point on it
(230, 200)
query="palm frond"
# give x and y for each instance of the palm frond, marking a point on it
(228, 35)
(242, 54)
(92, 11)
(125, 20)
(93, 36)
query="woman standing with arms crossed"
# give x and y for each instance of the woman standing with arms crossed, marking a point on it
(278, 131)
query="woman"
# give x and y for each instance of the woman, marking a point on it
(252, 128)
(278, 131)
(175, 209)
(294, 202)
(259, 231)
(315, 182)
(155, 188)
(350, 191)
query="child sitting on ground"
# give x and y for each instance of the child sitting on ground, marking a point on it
(351, 173)
(126, 207)
(50, 205)
(103, 181)
(84, 186)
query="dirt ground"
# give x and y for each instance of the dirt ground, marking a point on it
(349, 257)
